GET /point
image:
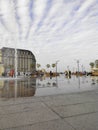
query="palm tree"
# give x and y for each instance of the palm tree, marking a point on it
(92, 64)
(48, 66)
(53, 65)
(96, 63)
(38, 65)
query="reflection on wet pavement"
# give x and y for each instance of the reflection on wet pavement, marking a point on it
(17, 88)
(46, 86)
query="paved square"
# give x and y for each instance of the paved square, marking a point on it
(77, 111)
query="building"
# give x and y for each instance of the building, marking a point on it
(1, 65)
(95, 69)
(26, 62)
(96, 63)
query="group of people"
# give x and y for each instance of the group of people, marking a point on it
(68, 73)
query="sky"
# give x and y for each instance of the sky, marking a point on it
(54, 30)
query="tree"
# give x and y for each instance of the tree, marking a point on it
(91, 64)
(96, 63)
(32, 66)
(53, 65)
(38, 65)
(48, 66)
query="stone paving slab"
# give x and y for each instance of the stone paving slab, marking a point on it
(84, 122)
(67, 100)
(24, 107)
(15, 101)
(34, 115)
(49, 125)
(76, 109)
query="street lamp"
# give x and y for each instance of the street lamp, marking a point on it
(68, 67)
(56, 66)
(82, 67)
(78, 65)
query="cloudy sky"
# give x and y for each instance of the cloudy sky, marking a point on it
(64, 30)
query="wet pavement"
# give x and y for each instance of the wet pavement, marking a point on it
(42, 86)
(67, 111)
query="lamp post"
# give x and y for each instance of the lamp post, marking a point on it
(78, 65)
(68, 68)
(82, 67)
(56, 66)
